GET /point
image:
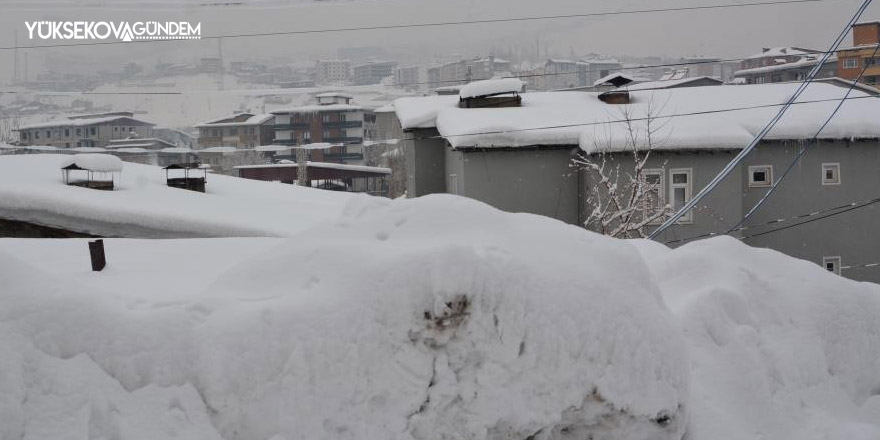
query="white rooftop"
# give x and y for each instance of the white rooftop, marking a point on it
(581, 119)
(490, 87)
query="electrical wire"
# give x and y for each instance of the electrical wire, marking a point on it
(443, 23)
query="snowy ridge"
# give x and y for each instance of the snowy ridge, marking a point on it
(451, 320)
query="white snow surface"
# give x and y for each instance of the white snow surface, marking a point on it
(104, 163)
(31, 189)
(417, 319)
(490, 87)
(581, 119)
(433, 318)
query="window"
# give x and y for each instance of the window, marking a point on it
(830, 174)
(831, 264)
(653, 188)
(214, 132)
(325, 117)
(760, 176)
(452, 184)
(680, 190)
(36, 135)
(48, 134)
(115, 128)
(801, 76)
(79, 132)
(233, 131)
(851, 63)
(92, 131)
(66, 132)
(776, 78)
(759, 80)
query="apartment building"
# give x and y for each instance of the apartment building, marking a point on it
(863, 55)
(242, 130)
(93, 130)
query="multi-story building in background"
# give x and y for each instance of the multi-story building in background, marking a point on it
(243, 130)
(782, 64)
(333, 119)
(409, 77)
(373, 72)
(862, 56)
(332, 72)
(465, 71)
(95, 130)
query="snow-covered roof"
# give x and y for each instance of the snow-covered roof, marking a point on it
(253, 120)
(218, 150)
(89, 149)
(807, 61)
(81, 122)
(388, 108)
(328, 165)
(103, 163)
(142, 205)
(132, 150)
(176, 150)
(490, 87)
(316, 108)
(670, 83)
(779, 52)
(334, 95)
(580, 118)
(612, 76)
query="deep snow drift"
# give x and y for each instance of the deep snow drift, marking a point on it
(433, 318)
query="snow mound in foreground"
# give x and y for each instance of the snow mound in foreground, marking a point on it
(780, 348)
(438, 318)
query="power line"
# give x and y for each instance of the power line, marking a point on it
(806, 147)
(815, 219)
(447, 23)
(860, 266)
(772, 222)
(748, 149)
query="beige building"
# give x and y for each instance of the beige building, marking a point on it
(95, 130)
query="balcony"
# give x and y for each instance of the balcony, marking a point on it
(294, 126)
(343, 140)
(343, 124)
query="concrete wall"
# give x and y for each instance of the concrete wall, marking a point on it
(853, 235)
(720, 210)
(425, 162)
(538, 181)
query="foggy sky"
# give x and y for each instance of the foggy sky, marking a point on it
(725, 33)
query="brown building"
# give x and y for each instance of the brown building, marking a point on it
(863, 54)
(333, 120)
(243, 130)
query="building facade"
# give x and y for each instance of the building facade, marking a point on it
(783, 64)
(862, 56)
(373, 73)
(541, 171)
(332, 72)
(243, 130)
(333, 120)
(85, 131)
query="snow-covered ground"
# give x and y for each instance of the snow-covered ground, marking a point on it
(32, 189)
(433, 318)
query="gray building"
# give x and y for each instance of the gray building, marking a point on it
(508, 158)
(783, 64)
(85, 131)
(373, 73)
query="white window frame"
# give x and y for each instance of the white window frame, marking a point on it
(836, 261)
(768, 171)
(648, 211)
(851, 63)
(452, 184)
(831, 166)
(688, 193)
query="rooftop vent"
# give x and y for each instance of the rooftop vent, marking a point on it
(491, 93)
(615, 97)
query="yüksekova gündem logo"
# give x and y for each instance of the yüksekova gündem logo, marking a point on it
(106, 30)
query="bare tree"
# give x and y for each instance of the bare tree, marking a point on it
(623, 200)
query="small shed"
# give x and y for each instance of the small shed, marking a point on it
(191, 176)
(93, 170)
(491, 93)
